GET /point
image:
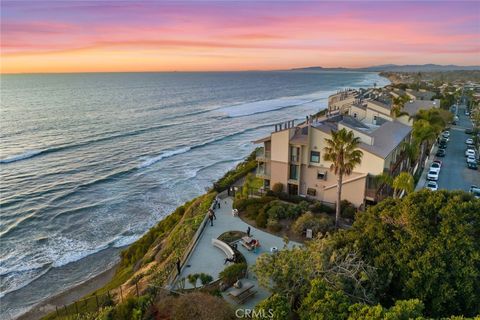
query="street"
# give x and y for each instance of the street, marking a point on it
(454, 173)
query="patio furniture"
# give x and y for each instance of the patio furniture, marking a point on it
(224, 247)
(240, 295)
(246, 243)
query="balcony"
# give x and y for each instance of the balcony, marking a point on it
(262, 155)
(294, 174)
(263, 172)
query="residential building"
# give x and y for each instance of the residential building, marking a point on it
(293, 156)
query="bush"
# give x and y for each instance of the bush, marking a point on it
(277, 187)
(319, 207)
(261, 219)
(241, 170)
(294, 211)
(320, 223)
(347, 209)
(277, 212)
(233, 272)
(196, 305)
(274, 225)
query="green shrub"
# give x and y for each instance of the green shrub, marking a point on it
(233, 272)
(261, 219)
(253, 209)
(322, 223)
(274, 225)
(347, 209)
(318, 207)
(241, 170)
(277, 212)
(293, 212)
(277, 187)
(304, 205)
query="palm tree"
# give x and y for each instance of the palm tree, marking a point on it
(411, 151)
(403, 182)
(342, 151)
(423, 132)
(397, 106)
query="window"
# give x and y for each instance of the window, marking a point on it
(293, 172)
(322, 175)
(315, 156)
(311, 192)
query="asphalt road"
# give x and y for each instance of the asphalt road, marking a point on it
(454, 173)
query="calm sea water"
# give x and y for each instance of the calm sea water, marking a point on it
(90, 161)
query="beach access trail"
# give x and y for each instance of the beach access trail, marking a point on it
(209, 259)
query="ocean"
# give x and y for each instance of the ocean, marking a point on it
(89, 162)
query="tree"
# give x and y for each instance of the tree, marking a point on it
(323, 303)
(192, 279)
(275, 307)
(403, 182)
(342, 151)
(424, 134)
(411, 151)
(205, 278)
(424, 246)
(398, 103)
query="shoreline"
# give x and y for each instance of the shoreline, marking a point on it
(70, 295)
(81, 290)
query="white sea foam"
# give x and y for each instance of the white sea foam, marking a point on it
(125, 240)
(164, 155)
(22, 156)
(246, 109)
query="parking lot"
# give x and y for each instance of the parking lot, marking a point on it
(454, 173)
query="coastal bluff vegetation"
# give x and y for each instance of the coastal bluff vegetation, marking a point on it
(148, 263)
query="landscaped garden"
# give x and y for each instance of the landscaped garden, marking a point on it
(289, 216)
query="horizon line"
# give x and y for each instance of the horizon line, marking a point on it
(348, 69)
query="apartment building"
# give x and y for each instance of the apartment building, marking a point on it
(293, 156)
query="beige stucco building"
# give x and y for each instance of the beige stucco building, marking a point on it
(293, 156)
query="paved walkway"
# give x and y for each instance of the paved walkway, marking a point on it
(209, 259)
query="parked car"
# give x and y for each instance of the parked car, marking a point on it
(444, 140)
(475, 191)
(471, 159)
(432, 185)
(469, 152)
(469, 141)
(472, 165)
(467, 113)
(440, 153)
(469, 131)
(432, 175)
(446, 134)
(435, 166)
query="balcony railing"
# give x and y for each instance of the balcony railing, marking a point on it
(263, 172)
(263, 154)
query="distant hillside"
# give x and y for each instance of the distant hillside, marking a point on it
(396, 68)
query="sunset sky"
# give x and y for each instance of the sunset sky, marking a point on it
(89, 36)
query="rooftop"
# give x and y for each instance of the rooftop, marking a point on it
(414, 106)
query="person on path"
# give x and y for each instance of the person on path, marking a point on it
(213, 213)
(179, 269)
(248, 232)
(210, 216)
(218, 204)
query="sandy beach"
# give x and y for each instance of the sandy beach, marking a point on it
(70, 296)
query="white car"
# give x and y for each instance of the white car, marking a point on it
(471, 159)
(467, 113)
(432, 185)
(469, 141)
(432, 175)
(446, 134)
(470, 152)
(475, 191)
(435, 167)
